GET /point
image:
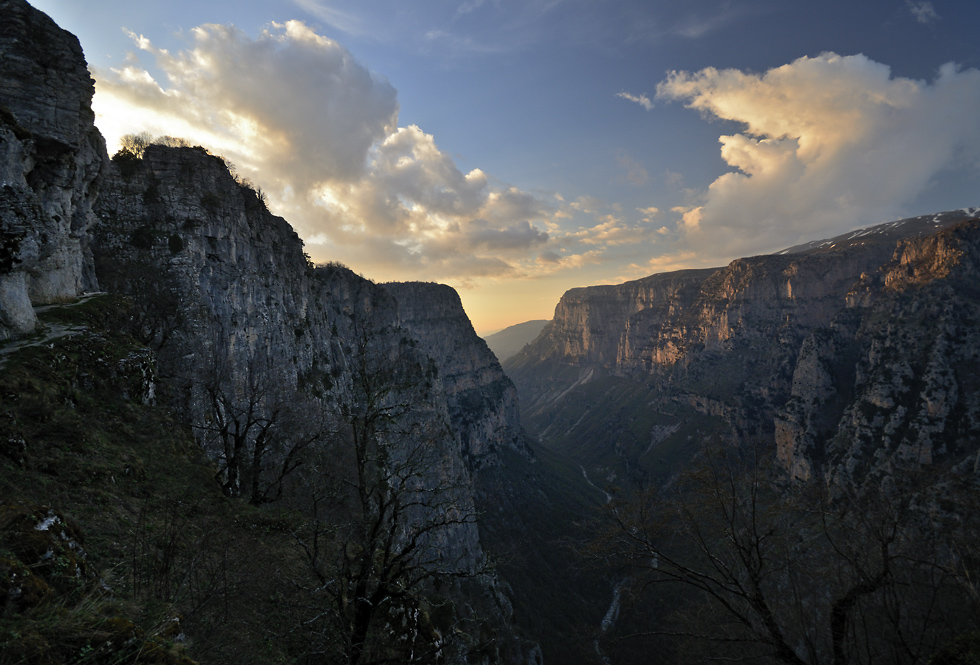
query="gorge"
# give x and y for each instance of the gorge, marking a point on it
(215, 451)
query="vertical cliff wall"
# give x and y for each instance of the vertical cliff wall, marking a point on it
(223, 278)
(237, 277)
(482, 400)
(230, 280)
(50, 159)
(892, 379)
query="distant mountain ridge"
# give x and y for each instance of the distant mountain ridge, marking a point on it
(505, 343)
(887, 232)
(841, 354)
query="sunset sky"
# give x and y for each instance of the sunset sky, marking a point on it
(518, 148)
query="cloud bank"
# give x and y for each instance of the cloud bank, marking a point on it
(829, 143)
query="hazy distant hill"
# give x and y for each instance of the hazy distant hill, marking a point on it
(510, 340)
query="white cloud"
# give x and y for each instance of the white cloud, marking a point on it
(649, 213)
(829, 143)
(291, 100)
(642, 100)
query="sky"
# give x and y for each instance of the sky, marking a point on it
(515, 149)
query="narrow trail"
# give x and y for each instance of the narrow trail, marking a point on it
(46, 332)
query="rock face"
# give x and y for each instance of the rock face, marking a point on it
(230, 280)
(50, 159)
(482, 401)
(843, 353)
(224, 290)
(238, 279)
(893, 378)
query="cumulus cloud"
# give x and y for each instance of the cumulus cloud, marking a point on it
(518, 236)
(642, 100)
(648, 213)
(829, 143)
(290, 99)
(319, 133)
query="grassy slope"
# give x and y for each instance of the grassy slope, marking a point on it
(76, 438)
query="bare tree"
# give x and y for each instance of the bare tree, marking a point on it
(775, 572)
(135, 144)
(259, 424)
(387, 516)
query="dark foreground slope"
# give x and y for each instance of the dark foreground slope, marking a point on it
(116, 545)
(842, 355)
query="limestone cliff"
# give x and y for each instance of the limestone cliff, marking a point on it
(237, 278)
(797, 349)
(893, 378)
(482, 400)
(224, 292)
(50, 159)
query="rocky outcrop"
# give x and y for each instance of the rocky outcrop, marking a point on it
(482, 400)
(50, 159)
(892, 380)
(795, 349)
(605, 324)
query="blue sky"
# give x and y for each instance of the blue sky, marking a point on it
(518, 149)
